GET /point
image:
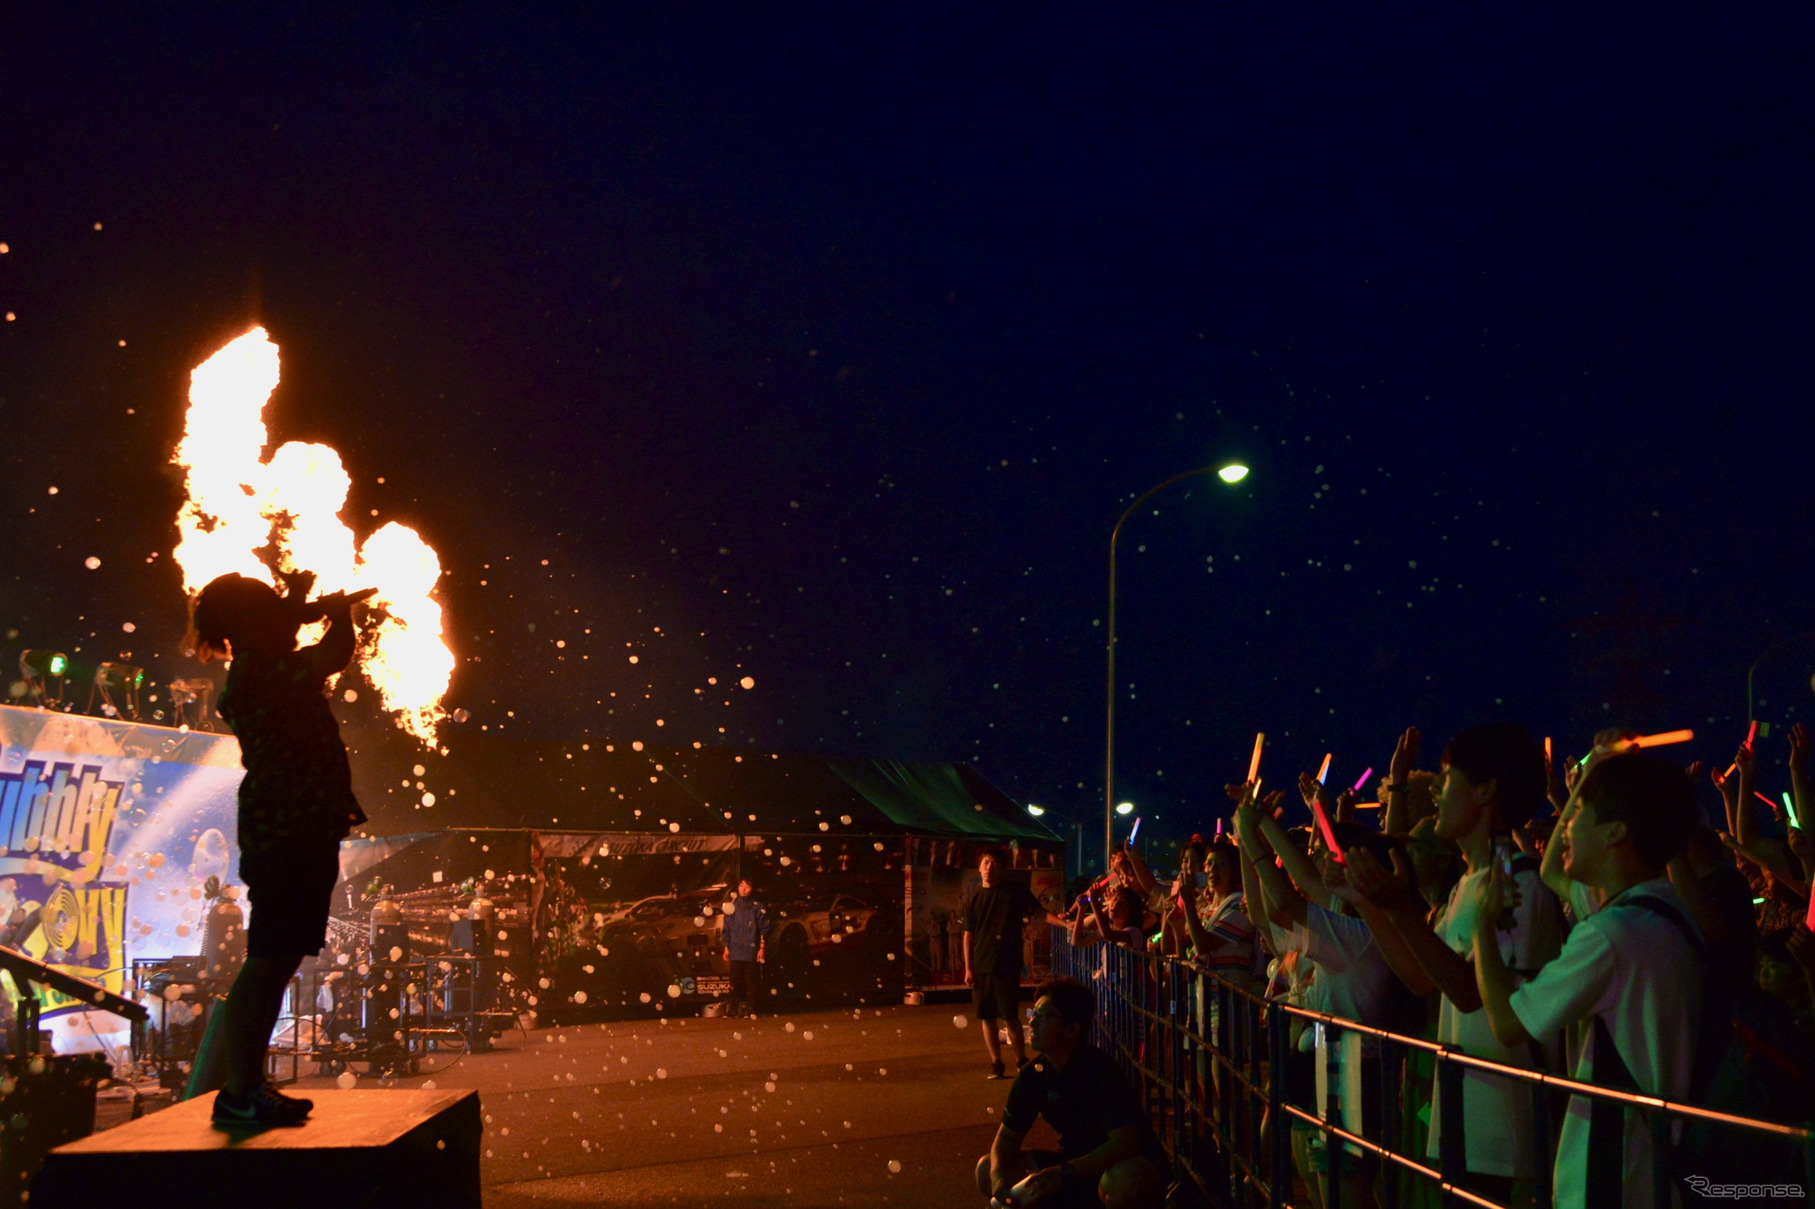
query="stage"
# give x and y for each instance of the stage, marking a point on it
(624, 1114)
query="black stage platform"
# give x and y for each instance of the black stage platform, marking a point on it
(359, 1148)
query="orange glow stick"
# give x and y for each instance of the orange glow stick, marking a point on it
(1260, 741)
(1329, 834)
(1664, 738)
(1547, 756)
(1325, 770)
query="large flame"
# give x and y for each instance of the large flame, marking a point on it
(241, 504)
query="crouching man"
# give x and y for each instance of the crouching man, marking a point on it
(1107, 1155)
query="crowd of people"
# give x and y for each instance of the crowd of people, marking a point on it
(1588, 917)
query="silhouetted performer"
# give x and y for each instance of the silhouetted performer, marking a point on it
(295, 806)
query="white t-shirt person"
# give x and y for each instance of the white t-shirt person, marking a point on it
(1632, 967)
(1354, 982)
(1496, 1110)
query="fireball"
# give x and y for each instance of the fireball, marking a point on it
(242, 503)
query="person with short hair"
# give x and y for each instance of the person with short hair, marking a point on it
(744, 932)
(296, 804)
(1107, 1154)
(1631, 970)
(1492, 781)
(994, 921)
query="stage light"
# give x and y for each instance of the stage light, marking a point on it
(1234, 472)
(1124, 808)
(40, 668)
(121, 678)
(189, 701)
(1036, 811)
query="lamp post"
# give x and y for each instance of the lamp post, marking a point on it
(1232, 473)
(1762, 656)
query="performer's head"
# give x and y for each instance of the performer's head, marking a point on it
(235, 614)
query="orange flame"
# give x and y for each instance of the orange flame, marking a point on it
(241, 502)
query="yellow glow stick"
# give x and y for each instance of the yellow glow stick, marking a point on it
(1260, 741)
(1325, 770)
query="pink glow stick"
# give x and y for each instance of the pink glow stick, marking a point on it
(1363, 781)
(1329, 835)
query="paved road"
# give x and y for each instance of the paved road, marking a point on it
(875, 1107)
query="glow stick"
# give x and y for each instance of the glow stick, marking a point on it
(1219, 829)
(1325, 770)
(1665, 738)
(1809, 922)
(1260, 741)
(1767, 801)
(1363, 781)
(1134, 830)
(1547, 756)
(1789, 805)
(1751, 733)
(1329, 834)
(1367, 805)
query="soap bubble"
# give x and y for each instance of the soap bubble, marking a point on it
(961, 1021)
(347, 1081)
(747, 682)
(894, 1166)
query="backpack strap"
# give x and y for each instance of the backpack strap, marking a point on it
(1607, 1120)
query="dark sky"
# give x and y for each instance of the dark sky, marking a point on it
(831, 342)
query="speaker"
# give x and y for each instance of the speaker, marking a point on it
(473, 936)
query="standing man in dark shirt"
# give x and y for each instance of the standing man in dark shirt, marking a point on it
(295, 806)
(745, 930)
(993, 922)
(1107, 1154)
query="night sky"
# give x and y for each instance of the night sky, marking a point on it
(824, 346)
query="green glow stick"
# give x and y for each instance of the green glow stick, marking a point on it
(1789, 806)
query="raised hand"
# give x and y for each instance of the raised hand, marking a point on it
(1491, 895)
(1368, 878)
(1405, 757)
(1345, 806)
(1309, 789)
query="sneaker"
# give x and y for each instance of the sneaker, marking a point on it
(995, 1070)
(261, 1108)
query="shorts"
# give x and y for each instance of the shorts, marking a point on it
(996, 994)
(290, 893)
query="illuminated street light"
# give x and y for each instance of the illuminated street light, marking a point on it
(1234, 472)
(1036, 811)
(1124, 808)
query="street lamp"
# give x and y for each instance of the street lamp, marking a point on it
(1763, 655)
(1124, 808)
(1232, 473)
(1077, 826)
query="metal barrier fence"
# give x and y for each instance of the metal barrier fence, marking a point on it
(1210, 1061)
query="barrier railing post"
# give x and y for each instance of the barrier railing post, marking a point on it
(1542, 1174)
(1251, 1021)
(1658, 1124)
(1391, 1058)
(1452, 1150)
(1279, 1179)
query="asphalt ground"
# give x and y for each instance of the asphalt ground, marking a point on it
(872, 1106)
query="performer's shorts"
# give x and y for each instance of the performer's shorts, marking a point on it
(290, 891)
(996, 995)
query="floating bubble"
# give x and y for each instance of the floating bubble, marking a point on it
(894, 1166)
(579, 996)
(674, 990)
(347, 1081)
(961, 1021)
(92, 563)
(747, 682)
